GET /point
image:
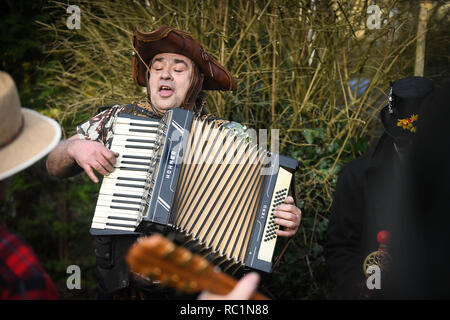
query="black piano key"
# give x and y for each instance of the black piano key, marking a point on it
(132, 179)
(133, 168)
(130, 146)
(123, 195)
(141, 140)
(126, 201)
(143, 130)
(138, 163)
(149, 125)
(122, 218)
(136, 157)
(131, 226)
(124, 208)
(130, 185)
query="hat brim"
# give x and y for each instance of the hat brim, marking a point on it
(38, 137)
(390, 125)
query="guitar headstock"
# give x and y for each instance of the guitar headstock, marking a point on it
(158, 258)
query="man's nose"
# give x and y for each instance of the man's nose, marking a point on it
(166, 75)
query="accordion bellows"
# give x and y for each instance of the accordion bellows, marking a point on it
(218, 193)
(212, 184)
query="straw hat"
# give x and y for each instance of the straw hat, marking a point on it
(26, 136)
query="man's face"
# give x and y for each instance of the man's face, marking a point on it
(170, 79)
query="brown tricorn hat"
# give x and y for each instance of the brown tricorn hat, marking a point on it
(169, 40)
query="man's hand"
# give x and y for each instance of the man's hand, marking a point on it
(243, 290)
(92, 155)
(288, 216)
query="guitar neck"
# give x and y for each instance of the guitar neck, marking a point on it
(158, 258)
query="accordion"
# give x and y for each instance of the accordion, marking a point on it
(194, 175)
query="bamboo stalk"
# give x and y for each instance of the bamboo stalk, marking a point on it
(273, 30)
(419, 66)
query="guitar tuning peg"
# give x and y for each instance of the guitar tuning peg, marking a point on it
(201, 266)
(189, 286)
(156, 272)
(193, 285)
(169, 251)
(170, 280)
(174, 278)
(185, 258)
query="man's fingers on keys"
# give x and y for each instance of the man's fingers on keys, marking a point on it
(107, 165)
(110, 156)
(99, 167)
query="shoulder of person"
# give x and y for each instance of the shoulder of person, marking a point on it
(111, 108)
(371, 158)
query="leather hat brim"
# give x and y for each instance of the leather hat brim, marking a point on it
(169, 40)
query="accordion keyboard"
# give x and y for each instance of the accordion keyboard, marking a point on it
(121, 191)
(280, 193)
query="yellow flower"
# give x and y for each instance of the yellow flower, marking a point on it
(408, 123)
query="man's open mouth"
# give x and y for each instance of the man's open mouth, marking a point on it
(165, 91)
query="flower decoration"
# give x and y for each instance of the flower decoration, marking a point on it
(408, 123)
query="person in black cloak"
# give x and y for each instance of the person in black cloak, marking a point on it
(365, 200)
(420, 247)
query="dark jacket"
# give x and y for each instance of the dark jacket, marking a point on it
(362, 206)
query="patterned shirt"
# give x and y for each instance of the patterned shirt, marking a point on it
(101, 127)
(21, 275)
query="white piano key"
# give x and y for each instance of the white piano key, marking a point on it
(118, 217)
(134, 185)
(146, 122)
(117, 222)
(135, 132)
(144, 159)
(133, 145)
(122, 150)
(126, 166)
(110, 197)
(99, 210)
(112, 189)
(96, 225)
(133, 149)
(126, 138)
(126, 161)
(124, 178)
(108, 202)
(126, 173)
(120, 197)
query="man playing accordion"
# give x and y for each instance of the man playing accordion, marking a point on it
(175, 69)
